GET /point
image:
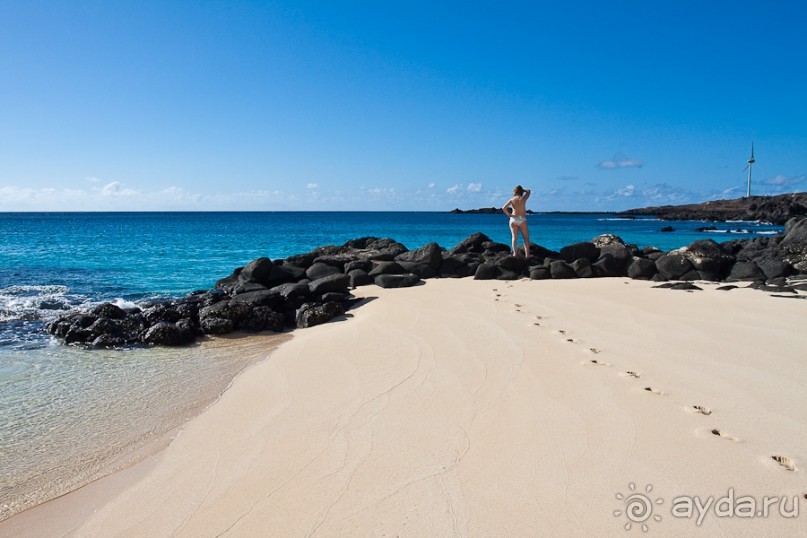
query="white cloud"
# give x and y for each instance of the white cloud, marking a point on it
(432, 185)
(116, 188)
(311, 186)
(453, 190)
(474, 187)
(620, 161)
(784, 181)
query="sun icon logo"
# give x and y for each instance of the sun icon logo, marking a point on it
(638, 507)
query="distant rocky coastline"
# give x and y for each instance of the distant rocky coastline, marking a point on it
(309, 289)
(483, 210)
(774, 209)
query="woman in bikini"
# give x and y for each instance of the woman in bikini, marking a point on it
(518, 218)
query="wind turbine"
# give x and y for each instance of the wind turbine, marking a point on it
(748, 167)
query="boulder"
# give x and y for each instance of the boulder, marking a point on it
(169, 334)
(774, 268)
(338, 283)
(359, 277)
(485, 271)
(515, 264)
(291, 290)
(745, 270)
(620, 254)
(608, 266)
(458, 266)
(321, 270)
(559, 269)
(794, 243)
(673, 265)
(421, 270)
(216, 325)
(386, 268)
(540, 273)
(541, 253)
(258, 270)
(396, 281)
(606, 240)
(364, 265)
(494, 248)
(582, 267)
(245, 287)
(311, 314)
(262, 318)
(430, 254)
(108, 310)
(641, 268)
(301, 261)
(709, 259)
(471, 244)
(162, 312)
(506, 274)
(576, 251)
(260, 298)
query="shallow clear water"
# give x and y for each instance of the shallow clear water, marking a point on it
(69, 416)
(66, 413)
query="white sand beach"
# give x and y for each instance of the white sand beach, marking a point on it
(486, 408)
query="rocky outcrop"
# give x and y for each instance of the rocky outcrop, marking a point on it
(309, 289)
(775, 209)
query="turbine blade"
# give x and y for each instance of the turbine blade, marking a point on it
(746, 167)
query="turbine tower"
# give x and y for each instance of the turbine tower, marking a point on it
(748, 167)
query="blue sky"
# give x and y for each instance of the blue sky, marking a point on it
(397, 105)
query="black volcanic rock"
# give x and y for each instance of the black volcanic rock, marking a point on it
(485, 271)
(673, 265)
(642, 268)
(397, 281)
(560, 269)
(430, 254)
(319, 270)
(576, 251)
(471, 244)
(309, 289)
(745, 271)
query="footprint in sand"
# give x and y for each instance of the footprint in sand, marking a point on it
(561, 331)
(539, 317)
(631, 373)
(594, 350)
(599, 363)
(723, 434)
(785, 462)
(701, 410)
(654, 391)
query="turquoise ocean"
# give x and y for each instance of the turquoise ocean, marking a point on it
(69, 415)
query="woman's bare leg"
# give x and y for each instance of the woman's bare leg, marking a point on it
(525, 232)
(514, 231)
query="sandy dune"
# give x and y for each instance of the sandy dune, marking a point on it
(471, 408)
